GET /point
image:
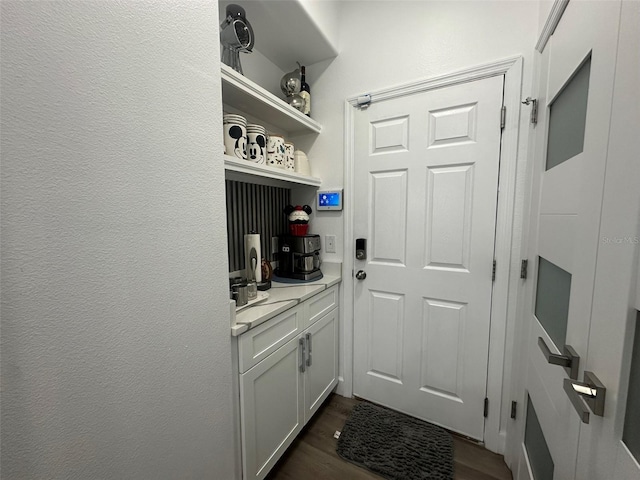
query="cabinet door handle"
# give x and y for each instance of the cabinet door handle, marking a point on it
(308, 337)
(570, 360)
(301, 345)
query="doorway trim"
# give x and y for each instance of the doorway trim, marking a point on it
(507, 241)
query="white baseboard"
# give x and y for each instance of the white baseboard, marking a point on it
(340, 389)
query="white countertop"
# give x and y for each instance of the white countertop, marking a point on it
(283, 296)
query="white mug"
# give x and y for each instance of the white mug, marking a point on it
(275, 151)
(235, 136)
(301, 163)
(256, 144)
(289, 163)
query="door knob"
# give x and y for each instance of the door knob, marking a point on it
(590, 392)
(570, 360)
(361, 275)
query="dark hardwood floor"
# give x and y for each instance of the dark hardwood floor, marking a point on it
(313, 454)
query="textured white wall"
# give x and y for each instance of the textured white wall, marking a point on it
(115, 323)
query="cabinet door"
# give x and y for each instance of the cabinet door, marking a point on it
(271, 399)
(321, 361)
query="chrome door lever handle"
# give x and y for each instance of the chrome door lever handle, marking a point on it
(587, 395)
(570, 360)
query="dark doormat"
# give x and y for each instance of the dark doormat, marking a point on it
(395, 445)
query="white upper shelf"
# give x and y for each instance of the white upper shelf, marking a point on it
(245, 95)
(243, 170)
(295, 30)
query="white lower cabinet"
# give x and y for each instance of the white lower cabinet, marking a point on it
(321, 377)
(271, 409)
(280, 393)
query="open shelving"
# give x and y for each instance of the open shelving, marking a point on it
(245, 95)
(243, 170)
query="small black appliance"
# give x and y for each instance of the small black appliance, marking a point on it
(299, 257)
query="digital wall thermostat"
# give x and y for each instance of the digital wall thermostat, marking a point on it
(329, 200)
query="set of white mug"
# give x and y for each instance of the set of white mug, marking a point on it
(251, 142)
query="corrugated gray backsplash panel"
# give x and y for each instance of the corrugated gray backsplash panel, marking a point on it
(256, 208)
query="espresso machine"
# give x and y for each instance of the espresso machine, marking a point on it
(299, 257)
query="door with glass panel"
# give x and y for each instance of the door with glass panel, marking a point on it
(575, 94)
(609, 446)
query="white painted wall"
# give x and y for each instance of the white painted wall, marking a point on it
(115, 320)
(263, 71)
(325, 15)
(399, 41)
(544, 9)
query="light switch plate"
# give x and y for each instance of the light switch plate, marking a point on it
(330, 243)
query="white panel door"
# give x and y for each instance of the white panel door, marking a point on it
(426, 173)
(566, 251)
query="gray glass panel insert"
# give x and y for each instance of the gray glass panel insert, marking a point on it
(552, 300)
(567, 118)
(537, 448)
(631, 432)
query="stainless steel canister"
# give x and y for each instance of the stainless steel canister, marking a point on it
(240, 293)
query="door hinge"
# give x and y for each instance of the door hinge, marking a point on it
(486, 407)
(523, 268)
(514, 406)
(503, 117)
(493, 272)
(534, 109)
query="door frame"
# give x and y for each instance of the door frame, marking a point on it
(508, 241)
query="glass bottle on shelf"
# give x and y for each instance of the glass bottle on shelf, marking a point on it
(305, 92)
